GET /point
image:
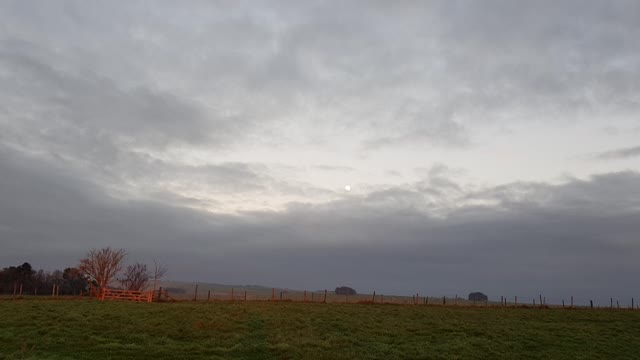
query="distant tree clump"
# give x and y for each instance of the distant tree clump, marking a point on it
(345, 290)
(477, 296)
(71, 281)
(100, 268)
(15, 276)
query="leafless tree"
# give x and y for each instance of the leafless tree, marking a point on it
(159, 271)
(101, 266)
(136, 277)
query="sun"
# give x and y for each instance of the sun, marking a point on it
(347, 187)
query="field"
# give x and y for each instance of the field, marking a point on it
(86, 329)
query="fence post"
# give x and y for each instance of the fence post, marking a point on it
(444, 300)
(245, 295)
(501, 300)
(572, 301)
(516, 301)
(195, 294)
(631, 303)
(373, 299)
(541, 300)
(563, 303)
(611, 303)
(208, 295)
(591, 302)
(325, 296)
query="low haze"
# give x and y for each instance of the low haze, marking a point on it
(439, 147)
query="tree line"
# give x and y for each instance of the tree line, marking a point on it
(100, 269)
(70, 280)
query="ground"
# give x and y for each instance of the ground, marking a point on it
(84, 329)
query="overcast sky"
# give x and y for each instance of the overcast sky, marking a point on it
(438, 147)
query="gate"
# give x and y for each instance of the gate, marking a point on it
(129, 295)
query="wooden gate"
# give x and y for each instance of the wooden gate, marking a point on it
(129, 295)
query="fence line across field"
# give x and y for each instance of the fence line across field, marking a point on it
(326, 296)
(321, 296)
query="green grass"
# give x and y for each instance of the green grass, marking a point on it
(83, 329)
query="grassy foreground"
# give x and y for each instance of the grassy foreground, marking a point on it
(83, 329)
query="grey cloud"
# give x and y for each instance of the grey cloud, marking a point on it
(446, 133)
(358, 63)
(623, 153)
(87, 102)
(333, 168)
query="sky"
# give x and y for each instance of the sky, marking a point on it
(439, 147)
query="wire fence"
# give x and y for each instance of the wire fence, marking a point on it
(176, 292)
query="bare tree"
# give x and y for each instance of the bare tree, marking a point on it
(159, 271)
(136, 277)
(101, 266)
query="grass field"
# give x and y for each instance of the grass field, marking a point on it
(84, 329)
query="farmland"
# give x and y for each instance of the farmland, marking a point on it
(34, 328)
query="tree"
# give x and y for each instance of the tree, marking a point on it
(345, 290)
(74, 281)
(159, 271)
(135, 277)
(101, 266)
(477, 296)
(15, 276)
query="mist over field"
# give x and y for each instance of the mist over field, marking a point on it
(438, 147)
